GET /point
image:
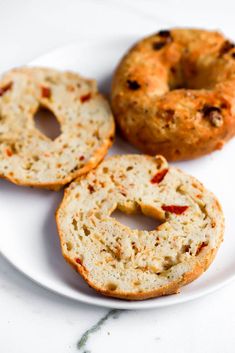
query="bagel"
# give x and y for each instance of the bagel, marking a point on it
(28, 157)
(173, 93)
(136, 264)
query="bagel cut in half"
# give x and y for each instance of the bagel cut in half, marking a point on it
(173, 93)
(27, 156)
(137, 264)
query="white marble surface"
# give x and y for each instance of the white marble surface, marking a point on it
(35, 320)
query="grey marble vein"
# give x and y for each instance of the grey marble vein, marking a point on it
(81, 345)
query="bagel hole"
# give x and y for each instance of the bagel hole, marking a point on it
(187, 75)
(46, 122)
(136, 221)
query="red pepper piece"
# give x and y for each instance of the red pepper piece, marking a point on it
(174, 209)
(46, 92)
(85, 98)
(159, 176)
(9, 152)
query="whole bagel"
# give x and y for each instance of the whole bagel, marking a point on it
(174, 93)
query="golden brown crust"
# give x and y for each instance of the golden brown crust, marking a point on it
(172, 288)
(173, 93)
(97, 158)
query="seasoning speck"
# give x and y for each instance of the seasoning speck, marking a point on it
(158, 45)
(164, 33)
(226, 47)
(213, 115)
(133, 85)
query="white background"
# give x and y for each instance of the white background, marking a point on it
(35, 320)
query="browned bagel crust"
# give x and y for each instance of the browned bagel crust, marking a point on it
(174, 93)
(172, 288)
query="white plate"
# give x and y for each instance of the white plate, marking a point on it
(28, 233)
